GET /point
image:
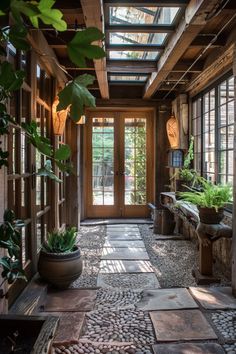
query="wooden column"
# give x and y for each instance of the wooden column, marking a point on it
(234, 206)
(3, 206)
(72, 181)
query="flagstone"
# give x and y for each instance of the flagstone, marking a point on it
(123, 266)
(124, 243)
(124, 253)
(166, 299)
(177, 325)
(217, 298)
(188, 348)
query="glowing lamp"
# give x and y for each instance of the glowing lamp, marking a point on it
(82, 120)
(58, 118)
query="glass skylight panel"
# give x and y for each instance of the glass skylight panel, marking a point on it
(137, 38)
(140, 78)
(133, 55)
(142, 15)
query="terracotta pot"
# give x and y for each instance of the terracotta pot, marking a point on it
(60, 269)
(210, 215)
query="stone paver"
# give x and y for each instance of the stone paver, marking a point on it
(71, 300)
(124, 243)
(124, 237)
(166, 299)
(124, 253)
(217, 298)
(188, 348)
(128, 281)
(181, 325)
(70, 326)
(116, 266)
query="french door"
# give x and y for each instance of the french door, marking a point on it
(119, 164)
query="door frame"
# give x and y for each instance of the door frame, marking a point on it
(108, 211)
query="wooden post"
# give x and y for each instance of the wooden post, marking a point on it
(205, 259)
(234, 206)
(3, 206)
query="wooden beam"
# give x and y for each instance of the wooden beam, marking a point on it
(221, 64)
(47, 56)
(134, 66)
(183, 66)
(191, 25)
(202, 40)
(135, 47)
(148, 3)
(145, 28)
(94, 17)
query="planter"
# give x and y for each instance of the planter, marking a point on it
(60, 269)
(27, 334)
(210, 215)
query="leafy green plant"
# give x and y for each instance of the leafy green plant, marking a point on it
(211, 196)
(60, 242)
(10, 239)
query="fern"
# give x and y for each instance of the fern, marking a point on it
(60, 242)
(211, 196)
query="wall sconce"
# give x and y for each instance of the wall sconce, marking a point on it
(175, 158)
(82, 120)
(58, 118)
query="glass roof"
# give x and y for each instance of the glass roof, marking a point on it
(137, 38)
(141, 78)
(142, 15)
(133, 55)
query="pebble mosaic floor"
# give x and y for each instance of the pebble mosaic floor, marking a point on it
(126, 316)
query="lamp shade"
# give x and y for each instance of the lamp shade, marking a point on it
(58, 118)
(172, 129)
(82, 120)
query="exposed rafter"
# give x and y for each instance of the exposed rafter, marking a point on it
(148, 3)
(191, 25)
(137, 47)
(153, 28)
(93, 15)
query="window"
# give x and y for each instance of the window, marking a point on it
(213, 130)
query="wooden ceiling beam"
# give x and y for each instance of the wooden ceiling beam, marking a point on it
(190, 26)
(145, 28)
(94, 17)
(135, 47)
(148, 3)
(202, 40)
(183, 66)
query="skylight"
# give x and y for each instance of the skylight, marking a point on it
(140, 78)
(133, 55)
(137, 38)
(142, 15)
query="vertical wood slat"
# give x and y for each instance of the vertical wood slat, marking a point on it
(234, 186)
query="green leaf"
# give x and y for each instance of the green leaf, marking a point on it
(65, 167)
(77, 96)
(17, 36)
(47, 171)
(19, 7)
(10, 80)
(49, 16)
(80, 46)
(63, 153)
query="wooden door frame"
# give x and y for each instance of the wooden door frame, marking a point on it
(107, 211)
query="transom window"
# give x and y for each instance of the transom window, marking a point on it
(213, 130)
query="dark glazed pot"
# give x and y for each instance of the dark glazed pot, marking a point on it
(60, 269)
(210, 215)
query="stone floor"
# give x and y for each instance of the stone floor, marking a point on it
(125, 310)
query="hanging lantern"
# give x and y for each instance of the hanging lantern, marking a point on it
(58, 118)
(172, 129)
(175, 158)
(82, 120)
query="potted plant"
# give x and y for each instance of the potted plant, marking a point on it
(210, 200)
(60, 262)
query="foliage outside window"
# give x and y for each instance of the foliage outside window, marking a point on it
(213, 131)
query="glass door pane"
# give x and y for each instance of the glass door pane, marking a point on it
(135, 161)
(103, 161)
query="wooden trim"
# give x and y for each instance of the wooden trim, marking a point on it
(187, 30)
(148, 3)
(136, 47)
(145, 28)
(94, 17)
